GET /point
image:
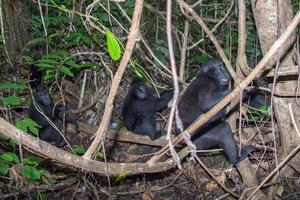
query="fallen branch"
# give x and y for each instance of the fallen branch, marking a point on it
(124, 136)
(66, 158)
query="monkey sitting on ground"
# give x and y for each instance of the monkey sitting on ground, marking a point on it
(139, 108)
(44, 102)
(209, 88)
(55, 114)
(50, 134)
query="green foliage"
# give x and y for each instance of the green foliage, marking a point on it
(118, 124)
(10, 157)
(113, 46)
(31, 172)
(17, 87)
(256, 115)
(26, 124)
(32, 160)
(11, 100)
(79, 150)
(4, 168)
(121, 176)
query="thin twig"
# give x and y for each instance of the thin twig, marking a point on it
(212, 38)
(175, 82)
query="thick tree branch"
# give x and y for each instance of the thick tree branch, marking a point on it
(50, 151)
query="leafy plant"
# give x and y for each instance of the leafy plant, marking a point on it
(28, 124)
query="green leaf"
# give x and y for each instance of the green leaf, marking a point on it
(66, 71)
(40, 40)
(13, 86)
(99, 154)
(4, 168)
(27, 59)
(50, 61)
(31, 172)
(10, 157)
(79, 150)
(91, 65)
(32, 160)
(264, 110)
(44, 65)
(118, 125)
(72, 63)
(49, 74)
(26, 124)
(86, 40)
(113, 46)
(11, 100)
(202, 58)
(121, 176)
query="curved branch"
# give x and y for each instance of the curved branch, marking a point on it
(50, 151)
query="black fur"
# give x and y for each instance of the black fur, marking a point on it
(210, 87)
(45, 103)
(221, 136)
(55, 114)
(140, 106)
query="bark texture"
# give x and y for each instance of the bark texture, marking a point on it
(16, 16)
(271, 18)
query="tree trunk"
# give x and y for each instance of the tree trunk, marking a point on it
(16, 19)
(271, 18)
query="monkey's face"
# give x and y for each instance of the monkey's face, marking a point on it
(215, 69)
(222, 74)
(42, 96)
(142, 92)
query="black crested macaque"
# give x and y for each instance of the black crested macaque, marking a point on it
(45, 103)
(35, 77)
(221, 136)
(210, 86)
(140, 106)
(55, 114)
(203, 93)
(50, 134)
